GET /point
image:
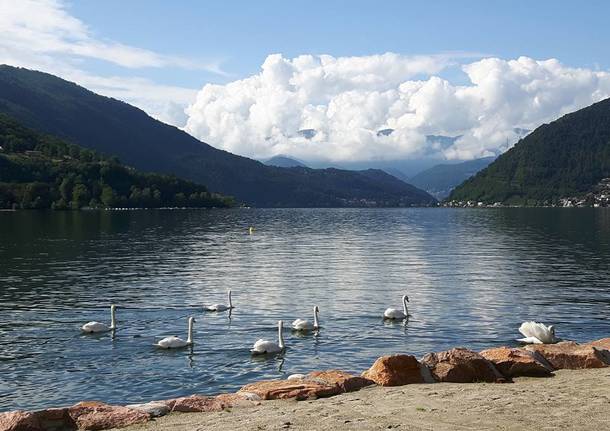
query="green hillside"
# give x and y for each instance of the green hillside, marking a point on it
(39, 172)
(567, 157)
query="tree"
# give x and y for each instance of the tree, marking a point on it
(36, 196)
(80, 196)
(108, 197)
(65, 189)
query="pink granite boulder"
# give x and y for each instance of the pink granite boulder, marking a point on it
(517, 362)
(572, 356)
(398, 370)
(461, 365)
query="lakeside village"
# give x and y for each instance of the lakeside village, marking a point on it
(598, 197)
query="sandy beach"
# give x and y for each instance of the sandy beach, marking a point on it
(573, 399)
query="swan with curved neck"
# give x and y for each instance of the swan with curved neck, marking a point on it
(221, 307)
(396, 314)
(174, 342)
(537, 333)
(262, 347)
(306, 325)
(96, 327)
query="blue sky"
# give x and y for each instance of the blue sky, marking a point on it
(243, 33)
(473, 69)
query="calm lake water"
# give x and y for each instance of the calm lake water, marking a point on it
(472, 277)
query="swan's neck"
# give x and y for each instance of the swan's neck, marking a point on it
(230, 303)
(280, 337)
(315, 319)
(189, 339)
(112, 319)
(404, 307)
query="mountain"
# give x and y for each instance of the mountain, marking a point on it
(439, 180)
(38, 172)
(111, 127)
(567, 157)
(284, 162)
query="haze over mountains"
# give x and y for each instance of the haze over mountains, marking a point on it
(441, 179)
(58, 107)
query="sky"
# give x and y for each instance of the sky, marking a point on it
(318, 80)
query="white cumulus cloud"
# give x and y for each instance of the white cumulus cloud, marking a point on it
(333, 108)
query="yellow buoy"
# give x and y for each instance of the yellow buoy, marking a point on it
(251, 230)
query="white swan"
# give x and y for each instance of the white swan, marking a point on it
(95, 327)
(396, 314)
(537, 333)
(174, 342)
(262, 347)
(306, 325)
(221, 307)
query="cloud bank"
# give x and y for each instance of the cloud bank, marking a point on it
(42, 35)
(382, 107)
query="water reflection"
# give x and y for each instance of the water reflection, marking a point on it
(471, 276)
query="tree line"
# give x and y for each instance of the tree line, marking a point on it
(41, 172)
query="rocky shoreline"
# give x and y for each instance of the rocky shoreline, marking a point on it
(459, 365)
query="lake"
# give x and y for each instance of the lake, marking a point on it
(472, 276)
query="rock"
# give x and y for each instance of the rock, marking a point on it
(397, 370)
(200, 403)
(19, 421)
(317, 384)
(301, 389)
(153, 408)
(47, 420)
(344, 381)
(250, 396)
(573, 356)
(461, 365)
(196, 403)
(604, 344)
(296, 376)
(94, 415)
(517, 362)
(55, 419)
(237, 400)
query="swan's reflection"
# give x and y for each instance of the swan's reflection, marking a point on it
(392, 323)
(191, 357)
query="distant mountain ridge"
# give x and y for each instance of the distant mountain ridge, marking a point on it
(441, 179)
(284, 162)
(61, 108)
(567, 157)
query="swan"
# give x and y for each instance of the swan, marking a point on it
(537, 333)
(306, 325)
(95, 327)
(262, 347)
(396, 314)
(174, 342)
(221, 307)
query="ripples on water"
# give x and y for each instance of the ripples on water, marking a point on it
(472, 276)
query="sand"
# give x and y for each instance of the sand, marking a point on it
(573, 399)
